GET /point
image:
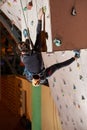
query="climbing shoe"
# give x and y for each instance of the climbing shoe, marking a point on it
(77, 53)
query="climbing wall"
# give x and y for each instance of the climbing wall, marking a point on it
(24, 17)
(2, 2)
(70, 29)
(30, 18)
(12, 10)
(69, 89)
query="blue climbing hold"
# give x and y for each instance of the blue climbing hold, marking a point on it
(57, 42)
(25, 33)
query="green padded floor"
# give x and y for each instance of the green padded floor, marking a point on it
(36, 108)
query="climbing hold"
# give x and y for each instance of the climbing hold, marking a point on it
(81, 77)
(9, 4)
(57, 97)
(83, 98)
(81, 120)
(75, 129)
(48, 16)
(62, 90)
(78, 106)
(74, 103)
(74, 87)
(60, 106)
(9, 12)
(54, 79)
(19, 18)
(29, 5)
(57, 42)
(78, 65)
(32, 22)
(25, 8)
(44, 9)
(70, 69)
(53, 85)
(63, 52)
(73, 11)
(15, 1)
(25, 33)
(66, 106)
(72, 120)
(64, 82)
(62, 122)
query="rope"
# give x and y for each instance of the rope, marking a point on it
(26, 25)
(26, 12)
(36, 8)
(23, 14)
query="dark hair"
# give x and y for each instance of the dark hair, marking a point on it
(36, 76)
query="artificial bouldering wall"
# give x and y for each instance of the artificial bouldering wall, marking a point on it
(69, 89)
(70, 29)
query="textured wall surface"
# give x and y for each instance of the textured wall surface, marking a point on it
(69, 89)
(12, 9)
(71, 30)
